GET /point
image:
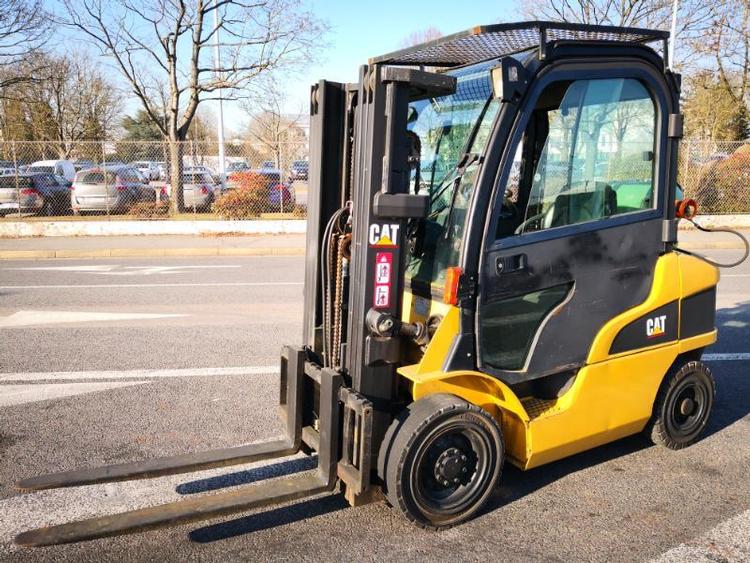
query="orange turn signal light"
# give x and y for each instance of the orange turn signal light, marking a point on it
(452, 277)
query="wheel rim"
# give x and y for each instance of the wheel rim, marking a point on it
(452, 469)
(687, 408)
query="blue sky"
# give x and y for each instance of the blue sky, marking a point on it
(360, 30)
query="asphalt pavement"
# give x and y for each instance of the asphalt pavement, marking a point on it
(114, 360)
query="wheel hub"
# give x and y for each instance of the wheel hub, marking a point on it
(450, 467)
(687, 407)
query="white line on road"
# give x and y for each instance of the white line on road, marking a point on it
(735, 357)
(31, 318)
(120, 285)
(137, 373)
(21, 394)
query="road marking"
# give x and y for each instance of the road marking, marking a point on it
(735, 357)
(21, 394)
(120, 270)
(119, 285)
(728, 541)
(30, 318)
(137, 373)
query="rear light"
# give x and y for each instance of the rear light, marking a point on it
(163, 191)
(204, 190)
(121, 188)
(30, 191)
(452, 277)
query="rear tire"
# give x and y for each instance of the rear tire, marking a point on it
(682, 406)
(441, 460)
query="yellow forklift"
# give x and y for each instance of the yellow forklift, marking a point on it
(491, 275)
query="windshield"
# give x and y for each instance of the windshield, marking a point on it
(42, 168)
(450, 129)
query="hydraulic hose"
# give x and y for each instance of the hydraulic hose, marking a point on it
(717, 230)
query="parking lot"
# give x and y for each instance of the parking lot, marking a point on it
(113, 360)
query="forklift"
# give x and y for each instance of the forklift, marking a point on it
(491, 274)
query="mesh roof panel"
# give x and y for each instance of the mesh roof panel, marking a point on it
(494, 41)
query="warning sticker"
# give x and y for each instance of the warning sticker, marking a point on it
(382, 296)
(383, 267)
(383, 263)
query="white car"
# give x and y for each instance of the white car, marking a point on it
(62, 168)
(148, 168)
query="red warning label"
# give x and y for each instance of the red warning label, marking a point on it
(383, 267)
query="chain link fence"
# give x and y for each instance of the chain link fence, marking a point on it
(152, 180)
(716, 174)
(261, 180)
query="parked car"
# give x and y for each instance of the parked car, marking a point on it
(148, 168)
(62, 168)
(299, 170)
(83, 164)
(237, 167)
(112, 189)
(197, 191)
(279, 196)
(33, 193)
(268, 165)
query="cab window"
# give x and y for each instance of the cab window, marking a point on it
(587, 154)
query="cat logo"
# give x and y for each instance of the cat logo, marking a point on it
(656, 326)
(383, 235)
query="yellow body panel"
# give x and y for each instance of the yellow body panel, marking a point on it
(611, 397)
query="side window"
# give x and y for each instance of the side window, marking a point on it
(596, 159)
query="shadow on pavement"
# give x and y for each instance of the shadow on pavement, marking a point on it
(269, 519)
(249, 476)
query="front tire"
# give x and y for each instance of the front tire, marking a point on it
(682, 406)
(441, 460)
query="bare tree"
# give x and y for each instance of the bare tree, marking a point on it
(421, 36)
(694, 18)
(277, 134)
(711, 109)
(165, 47)
(70, 101)
(727, 43)
(72, 104)
(24, 29)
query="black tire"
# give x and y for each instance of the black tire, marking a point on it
(441, 460)
(682, 406)
(48, 208)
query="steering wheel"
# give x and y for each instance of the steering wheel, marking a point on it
(538, 217)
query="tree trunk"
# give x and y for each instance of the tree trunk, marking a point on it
(177, 195)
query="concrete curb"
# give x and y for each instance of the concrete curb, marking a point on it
(18, 229)
(150, 252)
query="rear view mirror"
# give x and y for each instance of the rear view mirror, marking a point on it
(509, 80)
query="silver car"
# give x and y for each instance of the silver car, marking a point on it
(112, 189)
(198, 191)
(32, 193)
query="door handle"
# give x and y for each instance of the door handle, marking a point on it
(508, 264)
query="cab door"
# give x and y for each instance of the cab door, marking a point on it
(576, 227)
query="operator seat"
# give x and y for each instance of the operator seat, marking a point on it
(581, 205)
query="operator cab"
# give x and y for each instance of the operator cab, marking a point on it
(546, 196)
